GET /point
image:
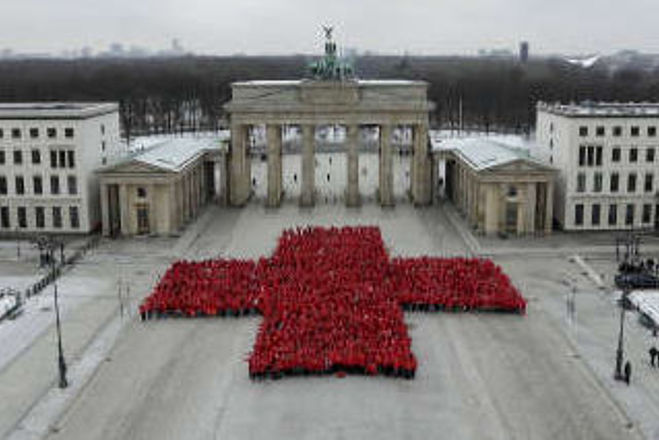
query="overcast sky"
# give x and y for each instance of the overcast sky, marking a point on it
(294, 26)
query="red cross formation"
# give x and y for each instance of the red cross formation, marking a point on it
(332, 300)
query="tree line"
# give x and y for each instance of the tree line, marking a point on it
(166, 95)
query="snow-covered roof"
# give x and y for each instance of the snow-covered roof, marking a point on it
(361, 82)
(602, 109)
(483, 152)
(55, 110)
(173, 153)
(647, 301)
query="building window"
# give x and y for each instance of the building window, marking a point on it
(72, 183)
(53, 159)
(73, 216)
(551, 159)
(103, 146)
(633, 154)
(583, 131)
(68, 133)
(617, 131)
(582, 156)
(52, 132)
(3, 185)
(37, 184)
(104, 161)
(18, 157)
(613, 214)
(4, 217)
(551, 144)
(21, 214)
(578, 214)
(615, 182)
(631, 182)
(34, 133)
(598, 156)
(71, 158)
(62, 159)
(615, 154)
(36, 157)
(649, 182)
(597, 182)
(635, 131)
(20, 185)
(39, 217)
(141, 192)
(591, 156)
(647, 213)
(599, 131)
(595, 217)
(54, 185)
(581, 182)
(649, 154)
(57, 217)
(2, 133)
(102, 128)
(16, 133)
(2, 157)
(652, 131)
(629, 214)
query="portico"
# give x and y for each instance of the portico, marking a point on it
(308, 104)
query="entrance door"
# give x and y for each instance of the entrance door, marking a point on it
(143, 220)
(511, 217)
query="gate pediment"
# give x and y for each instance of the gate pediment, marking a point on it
(329, 92)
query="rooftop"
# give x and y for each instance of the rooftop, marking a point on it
(601, 109)
(55, 110)
(483, 152)
(173, 153)
(361, 82)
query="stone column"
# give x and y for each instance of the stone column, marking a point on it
(240, 166)
(549, 206)
(273, 136)
(420, 166)
(153, 213)
(386, 189)
(352, 189)
(173, 209)
(105, 210)
(124, 209)
(308, 163)
(531, 200)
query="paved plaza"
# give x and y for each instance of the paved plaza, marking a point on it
(480, 375)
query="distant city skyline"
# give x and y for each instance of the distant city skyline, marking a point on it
(280, 27)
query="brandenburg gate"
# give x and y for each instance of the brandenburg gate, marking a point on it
(332, 97)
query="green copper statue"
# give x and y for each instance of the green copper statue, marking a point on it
(330, 67)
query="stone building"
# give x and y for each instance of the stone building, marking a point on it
(159, 190)
(607, 157)
(48, 154)
(497, 187)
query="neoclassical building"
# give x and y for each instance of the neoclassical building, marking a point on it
(331, 97)
(497, 187)
(156, 191)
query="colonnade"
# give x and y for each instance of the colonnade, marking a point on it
(240, 165)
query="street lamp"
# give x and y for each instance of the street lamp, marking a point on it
(61, 362)
(618, 374)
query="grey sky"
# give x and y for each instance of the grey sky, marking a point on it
(293, 26)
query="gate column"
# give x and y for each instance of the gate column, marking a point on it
(273, 137)
(421, 166)
(352, 190)
(239, 167)
(308, 171)
(386, 176)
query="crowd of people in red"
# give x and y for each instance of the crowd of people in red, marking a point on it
(331, 300)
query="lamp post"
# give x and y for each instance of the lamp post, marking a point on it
(618, 375)
(61, 362)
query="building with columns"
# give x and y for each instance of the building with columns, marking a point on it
(157, 191)
(498, 188)
(331, 97)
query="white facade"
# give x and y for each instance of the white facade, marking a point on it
(607, 160)
(51, 145)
